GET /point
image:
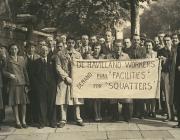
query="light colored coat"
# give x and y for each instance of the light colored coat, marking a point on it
(63, 67)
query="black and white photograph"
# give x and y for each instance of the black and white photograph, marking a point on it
(89, 69)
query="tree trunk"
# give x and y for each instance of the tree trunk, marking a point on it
(135, 20)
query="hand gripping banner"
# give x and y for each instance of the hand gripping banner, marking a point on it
(136, 79)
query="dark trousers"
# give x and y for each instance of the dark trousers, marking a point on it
(32, 110)
(165, 92)
(177, 106)
(127, 111)
(139, 107)
(47, 107)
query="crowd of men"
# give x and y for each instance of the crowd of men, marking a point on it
(38, 83)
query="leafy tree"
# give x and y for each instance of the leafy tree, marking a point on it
(163, 16)
(75, 16)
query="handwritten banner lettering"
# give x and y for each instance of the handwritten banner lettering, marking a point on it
(137, 79)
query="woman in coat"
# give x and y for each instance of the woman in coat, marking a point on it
(15, 71)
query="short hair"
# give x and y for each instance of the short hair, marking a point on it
(136, 35)
(84, 35)
(174, 34)
(108, 31)
(118, 41)
(126, 38)
(93, 36)
(43, 46)
(149, 41)
(143, 36)
(97, 44)
(30, 43)
(70, 38)
(167, 35)
(161, 32)
(12, 44)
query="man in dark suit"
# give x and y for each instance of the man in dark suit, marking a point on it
(45, 75)
(31, 57)
(126, 45)
(166, 55)
(138, 52)
(85, 46)
(51, 45)
(3, 81)
(177, 87)
(108, 47)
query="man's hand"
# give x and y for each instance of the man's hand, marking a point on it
(163, 59)
(27, 89)
(68, 80)
(12, 76)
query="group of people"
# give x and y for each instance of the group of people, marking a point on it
(38, 83)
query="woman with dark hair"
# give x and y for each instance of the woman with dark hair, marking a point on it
(150, 103)
(15, 71)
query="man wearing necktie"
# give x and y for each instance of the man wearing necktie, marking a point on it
(108, 47)
(45, 76)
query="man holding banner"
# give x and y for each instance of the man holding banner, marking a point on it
(127, 104)
(116, 79)
(138, 52)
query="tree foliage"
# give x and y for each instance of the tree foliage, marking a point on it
(163, 16)
(75, 16)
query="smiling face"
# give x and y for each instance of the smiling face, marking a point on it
(149, 46)
(175, 39)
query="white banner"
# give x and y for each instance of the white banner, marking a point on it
(137, 79)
